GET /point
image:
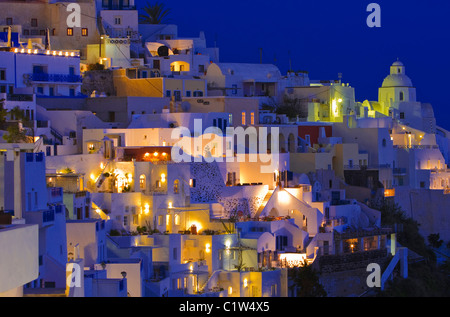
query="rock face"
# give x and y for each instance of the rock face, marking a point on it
(100, 81)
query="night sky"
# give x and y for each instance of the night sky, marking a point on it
(330, 37)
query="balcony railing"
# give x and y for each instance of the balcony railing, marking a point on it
(63, 78)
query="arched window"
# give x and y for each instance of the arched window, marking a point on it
(176, 186)
(142, 183)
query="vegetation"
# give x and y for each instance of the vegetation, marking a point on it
(291, 107)
(306, 282)
(154, 14)
(426, 278)
(15, 133)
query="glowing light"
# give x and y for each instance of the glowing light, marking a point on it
(155, 154)
(29, 51)
(35, 51)
(283, 195)
(164, 154)
(60, 53)
(230, 290)
(146, 209)
(72, 54)
(16, 50)
(245, 282)
(191, 268)
(146, 154)
(207, 248)
(22, 50)
(130, 178)
(97, 210)
(293, 259)
(102, 166)
(54, 53)
(92, 176)
(163, 178)
(334, 107)
(47, 52)
(170, 204)
(340, 100)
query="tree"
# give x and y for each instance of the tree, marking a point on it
(435, 240)
(154, 14)
(306, 282)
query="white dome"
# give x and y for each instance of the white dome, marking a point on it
(397, 80)
(397, 76)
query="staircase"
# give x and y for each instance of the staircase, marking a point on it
(264, 203)
(102, 177)
(210, 276)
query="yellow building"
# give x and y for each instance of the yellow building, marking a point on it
(157, 86)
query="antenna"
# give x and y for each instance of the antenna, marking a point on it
(260, 55)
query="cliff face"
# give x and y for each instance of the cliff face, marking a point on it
(100, 81)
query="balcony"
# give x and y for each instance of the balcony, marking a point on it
(55, 78)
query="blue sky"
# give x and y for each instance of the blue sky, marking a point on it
(330, 37)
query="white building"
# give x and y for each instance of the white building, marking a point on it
(41, 72)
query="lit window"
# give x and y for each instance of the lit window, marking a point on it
(69, 31)
(252, 118)
(177, 219)
(142, 181)
(243, 118)
(84, 32)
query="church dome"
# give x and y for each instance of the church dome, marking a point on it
(397, 77)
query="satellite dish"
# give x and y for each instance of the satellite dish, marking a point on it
(163, 51)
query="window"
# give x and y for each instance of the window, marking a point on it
(142, 181)
(243, 117)
(26, 32)
(402, 115)
(34, 23)
(168, 93)
(9, 21)
(201, 68)
(252, 118)
(71, 92)
(177, 219)
(176, 185)
(401, 96)
(125, 220)
(198, 93)
(51, 91)
(2, 74)
(117, 20)
(84, 32)
(69, 31)
(40, 90)
(188, 93)
(234, 91)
